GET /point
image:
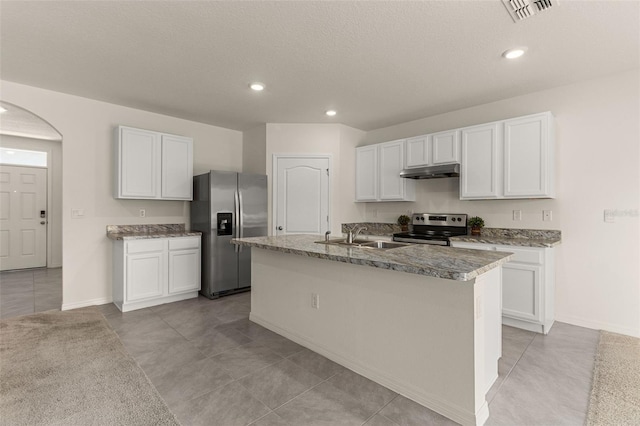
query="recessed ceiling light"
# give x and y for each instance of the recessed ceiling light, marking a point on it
(2, 110)
(258, 87)
(514, 53)
(331, 113)
(10, 152)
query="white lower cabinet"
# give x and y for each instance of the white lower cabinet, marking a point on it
(528, 285)
(155, 271)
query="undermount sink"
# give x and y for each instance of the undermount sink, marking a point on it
(362, 243)
(383, 244)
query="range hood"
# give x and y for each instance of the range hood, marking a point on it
(432, 172)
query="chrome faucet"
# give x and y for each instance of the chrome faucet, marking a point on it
(353, 233)
(326, 235)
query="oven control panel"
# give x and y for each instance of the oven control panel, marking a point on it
(438, 219)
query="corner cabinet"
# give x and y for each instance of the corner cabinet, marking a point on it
(154, 271)
(528, 285)
(378, 170)
(509, 159)
(152, 165)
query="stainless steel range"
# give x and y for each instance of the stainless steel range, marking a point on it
(433, 228)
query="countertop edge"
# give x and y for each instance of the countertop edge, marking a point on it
(147, 236)
(430, 272)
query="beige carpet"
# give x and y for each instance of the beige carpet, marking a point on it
(615, 395)
(70, 368)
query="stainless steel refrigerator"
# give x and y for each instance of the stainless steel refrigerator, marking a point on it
(227, 205)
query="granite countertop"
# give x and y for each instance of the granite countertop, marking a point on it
(502, 236)
(435, 261)
(142, 232)
(514, 237)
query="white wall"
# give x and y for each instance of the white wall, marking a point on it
(337, 140)
(254, 151)
(87, 127)
(54, 190)
(597, 166)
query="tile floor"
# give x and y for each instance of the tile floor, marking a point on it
(27, 291)
(214, 367)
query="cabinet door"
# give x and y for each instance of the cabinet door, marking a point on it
(145, 276)
(138, 163)
(521, 291)
(367, 173)
(418, 151)
(184, 271)
(446, 147)
(177, 167)
(391, 164)
(526, 157)
(479, 174)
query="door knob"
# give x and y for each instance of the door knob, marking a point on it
(279, 228)
(43, 222)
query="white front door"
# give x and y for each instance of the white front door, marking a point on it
(23, 222)
(301, 195)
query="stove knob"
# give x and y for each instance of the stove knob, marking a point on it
(459, 219)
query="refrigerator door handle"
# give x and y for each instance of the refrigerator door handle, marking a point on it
(240, 216)
(236, 212)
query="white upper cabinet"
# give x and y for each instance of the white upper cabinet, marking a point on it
(446, 147)
(508, 159)
(418, 151)
(528, 156)
(367, 173)
(432, 149)
(479, 168)
(378, 170)
(153, 165)
(137, 163)
(177, 167)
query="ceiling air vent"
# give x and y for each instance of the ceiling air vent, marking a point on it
(523, 9)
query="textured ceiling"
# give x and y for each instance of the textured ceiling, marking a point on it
(376, 63)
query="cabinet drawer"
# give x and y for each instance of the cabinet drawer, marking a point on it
(523, 255)
(184, 243)
(142, 246)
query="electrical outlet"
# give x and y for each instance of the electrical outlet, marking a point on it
(77, 213)
(547, 215)
(517, 215)
(315, 301)
(143, 213)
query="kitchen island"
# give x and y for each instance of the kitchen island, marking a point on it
(425, 321)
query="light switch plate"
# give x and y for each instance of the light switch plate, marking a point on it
(77, 213)
(609, 216)
(517, 215)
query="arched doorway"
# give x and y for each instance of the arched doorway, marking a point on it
(30, 213)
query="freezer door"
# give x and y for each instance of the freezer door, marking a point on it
(223, 261)
(252, 196)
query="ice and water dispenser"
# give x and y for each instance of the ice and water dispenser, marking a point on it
(224, 223)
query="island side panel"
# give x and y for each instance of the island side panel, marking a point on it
(415, 334)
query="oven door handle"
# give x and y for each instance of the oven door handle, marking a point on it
(418, 241)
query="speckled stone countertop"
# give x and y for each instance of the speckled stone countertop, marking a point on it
(142, 232)
(514, 237)
(434, 261)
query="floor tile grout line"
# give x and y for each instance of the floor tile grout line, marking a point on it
(382, 408)
(506, 376)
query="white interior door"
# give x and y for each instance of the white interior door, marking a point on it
(23, 221)
(301, 195)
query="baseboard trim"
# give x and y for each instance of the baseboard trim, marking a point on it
(417, 395)
(85, 303)
(598, 325)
